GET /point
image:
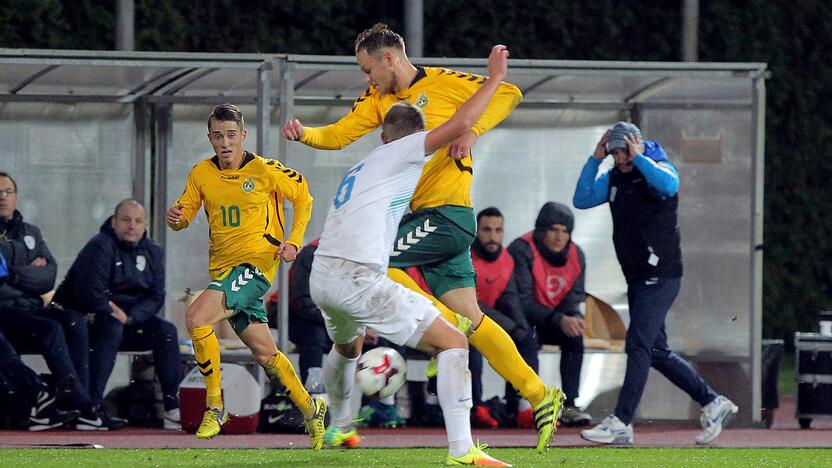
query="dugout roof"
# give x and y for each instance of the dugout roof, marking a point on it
(106, 76)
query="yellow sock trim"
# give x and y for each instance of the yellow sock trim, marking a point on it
(500, 351)
(281, 372)
(207, 355)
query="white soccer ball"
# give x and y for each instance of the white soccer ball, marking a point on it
(380, 372)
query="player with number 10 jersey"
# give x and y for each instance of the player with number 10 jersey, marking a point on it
(244, 209)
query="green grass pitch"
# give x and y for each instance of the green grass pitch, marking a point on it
(412, 458)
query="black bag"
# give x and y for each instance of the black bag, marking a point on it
(138, 402)
(498, 411)
(278, 414)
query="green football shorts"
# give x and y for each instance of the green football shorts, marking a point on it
(438, 240)
(244, 288)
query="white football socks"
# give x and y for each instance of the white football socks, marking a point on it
(339, 375)
(453, 387)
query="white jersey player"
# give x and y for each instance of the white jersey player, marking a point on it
(349, 273)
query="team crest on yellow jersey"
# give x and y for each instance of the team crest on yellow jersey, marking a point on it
(248, 185)
(422, 101)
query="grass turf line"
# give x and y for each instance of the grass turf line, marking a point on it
(412, 458)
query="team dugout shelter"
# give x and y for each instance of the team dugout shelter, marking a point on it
(83, 130)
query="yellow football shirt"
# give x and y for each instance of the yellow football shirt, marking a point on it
(439, 92)
(244, 208)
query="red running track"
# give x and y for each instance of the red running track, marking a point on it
(785, 432)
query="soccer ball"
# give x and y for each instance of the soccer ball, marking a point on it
(380, 372)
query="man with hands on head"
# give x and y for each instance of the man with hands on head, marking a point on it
(642, 191)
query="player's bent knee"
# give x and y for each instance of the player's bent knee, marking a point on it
(450, 338)
(262, 358)
(457, 340)
(193, 319)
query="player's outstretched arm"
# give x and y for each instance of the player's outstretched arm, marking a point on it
(473, 108)
(362, 119)
(293, 130)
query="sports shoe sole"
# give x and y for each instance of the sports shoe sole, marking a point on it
(616, 440)
(726, 419)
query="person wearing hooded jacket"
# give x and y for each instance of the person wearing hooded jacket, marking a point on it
(550, 271)
(641, 189)
(118, 280)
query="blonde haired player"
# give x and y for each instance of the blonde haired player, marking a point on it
(242, 195)
(437, 235)
(349, 273)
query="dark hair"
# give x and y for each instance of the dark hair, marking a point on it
(490, 211)
(126, 201)
(377, 37)
(6, 175)
(226, 113)
(402, 120)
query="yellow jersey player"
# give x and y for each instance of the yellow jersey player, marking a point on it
(242, 195)
(437, 235)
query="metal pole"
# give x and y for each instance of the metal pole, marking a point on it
(162, 153)
(758, 140)
(287, 104)
(125, 25)
(690, 31)
(263, 107)
(414, 27)
(140, 152)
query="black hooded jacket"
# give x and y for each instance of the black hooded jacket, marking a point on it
(551, 213)
(106, 269)
(21, 244)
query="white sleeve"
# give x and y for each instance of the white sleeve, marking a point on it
(416, 148)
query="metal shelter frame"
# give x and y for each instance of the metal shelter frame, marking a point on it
(153, 82)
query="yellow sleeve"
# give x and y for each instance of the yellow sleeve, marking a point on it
(364, 117)
(507, 97)
(191, 200)
(293, 187)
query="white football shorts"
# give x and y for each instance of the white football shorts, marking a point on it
(354, 297)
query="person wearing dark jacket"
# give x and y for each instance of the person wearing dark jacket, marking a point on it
(25, 399)
(118, 280)
(306, 324)
(498, 298)
(59, 335)
(550, 271)
(642, 191)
